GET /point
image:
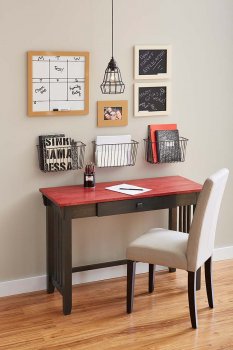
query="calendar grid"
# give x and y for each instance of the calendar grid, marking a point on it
(49, 84)
(58, 82)
(67, 78)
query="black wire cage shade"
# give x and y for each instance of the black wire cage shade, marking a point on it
(112, 82)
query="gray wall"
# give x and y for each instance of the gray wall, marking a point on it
(201, 35)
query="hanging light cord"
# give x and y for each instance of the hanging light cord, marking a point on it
(112, 28)
(112, 81)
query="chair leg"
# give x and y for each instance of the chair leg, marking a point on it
(131, 265)
(208, 282)
(172, 269)
(198, 279)
(192, 298)
(151, 277)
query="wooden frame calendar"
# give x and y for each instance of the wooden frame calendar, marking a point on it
(58, 83)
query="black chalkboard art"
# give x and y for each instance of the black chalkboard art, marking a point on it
(152, 62)
(151, 99)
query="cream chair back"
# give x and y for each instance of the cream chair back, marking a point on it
(202, 232)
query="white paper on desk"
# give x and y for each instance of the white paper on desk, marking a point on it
(113, 150)
(137, 189)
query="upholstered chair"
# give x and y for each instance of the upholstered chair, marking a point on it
(181, 250)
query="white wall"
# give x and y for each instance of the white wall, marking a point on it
(201, 35)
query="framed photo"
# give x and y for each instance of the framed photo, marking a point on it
(151, 99)
(58, 83)
(112, 113)
(152, 62)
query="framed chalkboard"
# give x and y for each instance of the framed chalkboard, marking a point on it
(151, 99)
(58, 83)
(152, 62)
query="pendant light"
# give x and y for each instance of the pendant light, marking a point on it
(112, 82)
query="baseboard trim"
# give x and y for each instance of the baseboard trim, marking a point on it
(223, 253)
(33, 284)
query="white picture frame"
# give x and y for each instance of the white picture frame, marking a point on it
(152, 99)
(152, 62)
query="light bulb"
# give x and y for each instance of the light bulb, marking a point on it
(112, 78)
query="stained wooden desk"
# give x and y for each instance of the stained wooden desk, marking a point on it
(65, 203)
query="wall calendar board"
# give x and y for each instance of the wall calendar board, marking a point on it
(58, 83)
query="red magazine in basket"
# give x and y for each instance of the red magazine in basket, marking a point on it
(152, 136)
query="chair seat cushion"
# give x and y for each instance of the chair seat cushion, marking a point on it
(160, 247)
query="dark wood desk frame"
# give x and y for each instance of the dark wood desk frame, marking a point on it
(59, 231)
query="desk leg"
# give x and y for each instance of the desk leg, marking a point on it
(66, 263)
(50, 248)
(172, 225)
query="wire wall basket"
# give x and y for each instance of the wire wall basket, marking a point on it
(54, 159)
(165, 151)
(115, 155)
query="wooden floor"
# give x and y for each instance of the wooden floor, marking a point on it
(98, 321)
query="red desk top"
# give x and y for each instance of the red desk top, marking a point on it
(161, 186)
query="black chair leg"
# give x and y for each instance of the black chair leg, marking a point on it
(208, 282)
(198, 279)
(192, 298)
(151, 277)
(172, 269)
(131, 265)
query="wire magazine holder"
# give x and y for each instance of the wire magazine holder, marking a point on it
(115, 155)
(56, 159)
(165, 151)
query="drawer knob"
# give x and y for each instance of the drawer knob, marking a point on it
(139, 205)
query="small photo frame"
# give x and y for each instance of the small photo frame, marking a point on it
(112, 113)
(152, 62)
(151, 99)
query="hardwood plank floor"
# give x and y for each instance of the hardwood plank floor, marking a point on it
(160, 320)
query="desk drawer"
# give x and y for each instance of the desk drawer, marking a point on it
(145, 204)
(129, 206)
